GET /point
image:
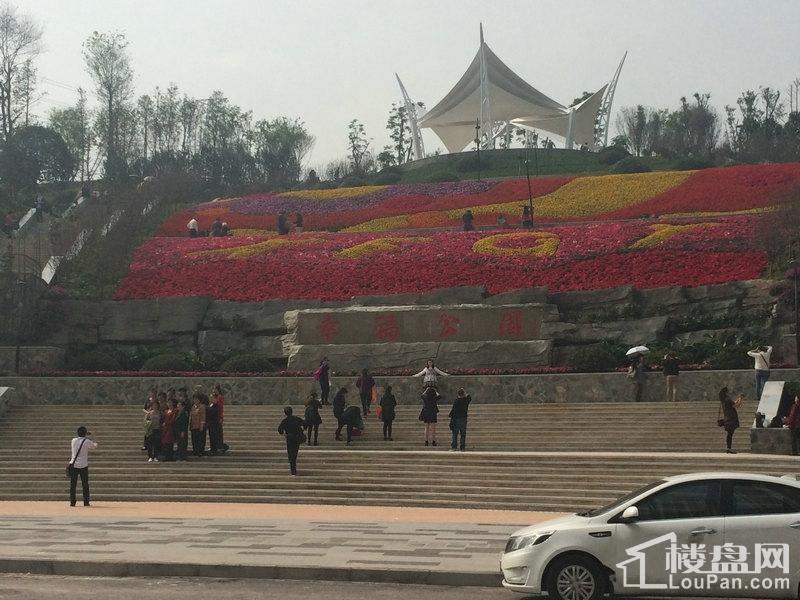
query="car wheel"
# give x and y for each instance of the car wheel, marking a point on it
(575, 578)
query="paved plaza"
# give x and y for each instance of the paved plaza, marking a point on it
(259, 541)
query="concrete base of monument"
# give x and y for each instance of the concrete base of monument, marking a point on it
(315, 543)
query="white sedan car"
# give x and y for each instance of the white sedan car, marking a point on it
(722, 535)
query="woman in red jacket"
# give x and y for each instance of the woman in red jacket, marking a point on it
(168, 430)
(793, 423)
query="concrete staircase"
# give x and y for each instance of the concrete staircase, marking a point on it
(547, 469)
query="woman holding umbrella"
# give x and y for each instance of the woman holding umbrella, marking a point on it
(637, 372)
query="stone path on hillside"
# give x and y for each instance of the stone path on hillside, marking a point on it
(339, 543)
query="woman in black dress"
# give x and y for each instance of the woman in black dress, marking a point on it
(729, 416)
(388, 403)
(428, 414)
(312, 418)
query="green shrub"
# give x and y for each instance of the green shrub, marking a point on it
(442, 177)
(471, 164)
(94, 359)
(693, 164)
(611, 155)
(248, 362)
(731, 357)
(388, 176)
(352, 181)
(605, 356)
(630, 165)
(172, 361)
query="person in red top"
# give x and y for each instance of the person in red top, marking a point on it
(219, 399)
(793, 423)
(168, 430)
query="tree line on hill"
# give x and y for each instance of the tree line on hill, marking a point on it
(758, 129)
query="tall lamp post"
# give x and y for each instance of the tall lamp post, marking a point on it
(794, 272)
(478, 145)
(530, 192)
(20, 306)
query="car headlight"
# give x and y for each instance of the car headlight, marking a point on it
(525, 541)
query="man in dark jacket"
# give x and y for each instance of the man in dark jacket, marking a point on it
(458, 419)
(793, 423)
(292, 428)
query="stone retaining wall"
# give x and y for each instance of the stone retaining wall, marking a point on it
(31, 358)
(575, 388)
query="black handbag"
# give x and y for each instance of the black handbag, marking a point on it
(71, 464)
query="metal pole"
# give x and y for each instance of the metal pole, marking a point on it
(530, 193)
(478, 145)
(20, 304)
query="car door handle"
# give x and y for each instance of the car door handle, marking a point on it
(795, 525)
(703, 531)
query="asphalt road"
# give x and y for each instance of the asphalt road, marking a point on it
(51, 587)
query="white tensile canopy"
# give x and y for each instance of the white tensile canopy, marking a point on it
(490, 92)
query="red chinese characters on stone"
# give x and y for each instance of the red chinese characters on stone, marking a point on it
(448, 325)
(387, 328)
(328, 329)
(511, 324)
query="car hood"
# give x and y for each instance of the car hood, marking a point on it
(565, 522)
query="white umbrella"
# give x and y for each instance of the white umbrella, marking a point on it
(637, 350)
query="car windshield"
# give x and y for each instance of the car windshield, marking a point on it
(617, 503)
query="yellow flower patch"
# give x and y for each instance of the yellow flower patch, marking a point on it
(542, 244)
(382, 224)
(663, 231)
(586, 196)
(335, 193)
(249, 232)
(248, 250)
(378, 245)
(726, 213)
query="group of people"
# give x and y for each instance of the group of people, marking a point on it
(171, 419)
(350, 418)
(219, 228)
(670, 365)
(468, 219)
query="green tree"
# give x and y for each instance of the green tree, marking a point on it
(106, 57)
(358, 145)
(280, 145)
(400, 133)
(35, 154)
(20, 45)
(74, 126)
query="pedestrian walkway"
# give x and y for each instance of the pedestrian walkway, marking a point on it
(381, 544)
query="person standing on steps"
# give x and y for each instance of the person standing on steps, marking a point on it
(152, 431)
(322, 374)
(219, 400)
(792, 421)
(79, 459)
(762, 356)
(388, 404)
(671, 371)
(430, 374)
(197, 425)
(429, 413)
(212, 424)
(312, 418)
(182, 428)
(637, 372)
(353, 420)
(292, 427)
(365, 384)
(339, 404)
(168, 430)
(458, 419)
(729, 416)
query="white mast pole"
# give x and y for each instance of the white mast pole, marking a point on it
(487, 125)
(417, 145)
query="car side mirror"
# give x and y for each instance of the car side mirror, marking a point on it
(630, 514)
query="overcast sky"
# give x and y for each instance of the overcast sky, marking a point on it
(329, 61)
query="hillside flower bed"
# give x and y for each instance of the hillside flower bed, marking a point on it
(338, 266)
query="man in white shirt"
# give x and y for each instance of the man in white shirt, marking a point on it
(79, 458)
(193, 227)
(761, 355)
